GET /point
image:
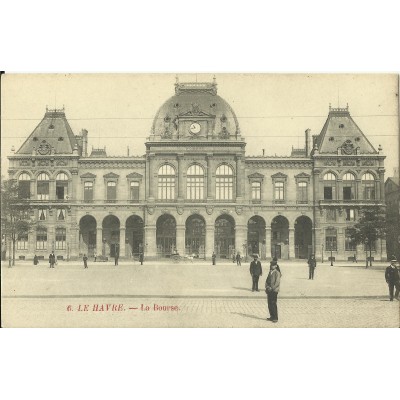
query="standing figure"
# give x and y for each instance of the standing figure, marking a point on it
(213, 257)
(238, 259)
(233, 256)
(52, 259)
(255, 272)
(116, 256)
(95, 256)
(35, 260)
(312, 264)
(392, 276)
(141, 258)
(355, 258)
(85, 261)
(272, 288)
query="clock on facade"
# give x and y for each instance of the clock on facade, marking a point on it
(195, 128)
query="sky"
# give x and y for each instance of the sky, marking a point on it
(273, 110)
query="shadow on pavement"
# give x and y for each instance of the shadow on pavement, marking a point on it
(242, 288)
(250, 316)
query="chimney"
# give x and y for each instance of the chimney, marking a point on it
(84, 134)
(307, 142)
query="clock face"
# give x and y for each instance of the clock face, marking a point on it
(195, 128)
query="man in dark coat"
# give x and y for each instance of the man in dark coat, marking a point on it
(238, 259)
(116, 256)
(392, 276)
(255, 272)
(35, 260)
(312, 264)
(213, 257)
(52, 259)
(272, 285)
(85, 261)
(141, 258)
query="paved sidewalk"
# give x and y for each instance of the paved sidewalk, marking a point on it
(201, 296)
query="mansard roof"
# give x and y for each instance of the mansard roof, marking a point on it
(52, 135)
(341, 135)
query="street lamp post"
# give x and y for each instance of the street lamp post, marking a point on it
(331, 255)
(366, 252)
(322, 258)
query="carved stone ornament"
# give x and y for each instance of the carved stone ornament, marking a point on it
(43, 163)
(209, 209)
(239, 210)
(165, 211)
(24, 163)
(195, 211)
(44, 148)
(151, 209)
(179, 210)
(62, 163)
(348, 147)
(224, 134)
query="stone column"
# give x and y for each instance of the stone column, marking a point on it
(291, 244)
(268, 252)
(319, 241)
(180, 239)
(122, 234)
(73, 186)
(209, 178)
(358, 189)
(150, 243)
(181, 184)
(239, 180)
(52, 189)
(74, 242)
(340, 254)
(99, 241)
(33, 189)
(240, 238)
(382, 185)
(339, 189)
(210, 238)
(150, 176)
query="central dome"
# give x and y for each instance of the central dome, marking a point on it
(195, 103)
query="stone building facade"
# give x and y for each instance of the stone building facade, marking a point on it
(195, 190)
(392, 196)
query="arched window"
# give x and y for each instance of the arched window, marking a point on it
(166, 182)
(61, 186)
(24, 186)
(195, 183)
(224, 183)
(368, 184)
(349, 186)
(43, 186)
(329, 186)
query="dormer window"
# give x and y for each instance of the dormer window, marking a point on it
(331, 139)
(35, 139)
(341, 126)
(60, 139)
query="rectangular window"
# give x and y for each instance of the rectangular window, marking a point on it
(224, 188)
(61, 235)
(349, 243)
(111, 191)
(328, 193)
(43, 190)
(369, 191)
(22, 242)
(60, 214)
(348, 193)
(330, 240)
(166, 188)
(41, 239)
(279, 191)
(42, 214)
(350, 214)
(256, 190)
(88, 191)
(302, 192)
(331, 215)
(195, 188)
(61, 190)
(24, 189)
(134, 191)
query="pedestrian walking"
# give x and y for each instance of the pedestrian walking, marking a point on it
(392, 277)
(355, 258)
(234, 256)
(116, 256)
(141, 258)
(95, 256)
(255, 272)
(213, 257)
(35, 260)
(272, 285)
(85, 261)
(238, 259)
(312, 264)
(52, 259)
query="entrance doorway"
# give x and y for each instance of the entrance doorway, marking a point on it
(134, 236)
(280, 237)
(303, 237)
(195, 236)
(256, 236)
(111, 236)
(224, 242)
(87, 235)
(166, 235)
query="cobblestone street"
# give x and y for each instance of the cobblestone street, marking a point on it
(193, 295)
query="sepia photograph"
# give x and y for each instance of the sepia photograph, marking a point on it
(202, 200)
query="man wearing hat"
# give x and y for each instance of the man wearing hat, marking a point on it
(255, 272)
(393, 279)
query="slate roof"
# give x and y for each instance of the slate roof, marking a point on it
(340, 128)
(55, 130)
